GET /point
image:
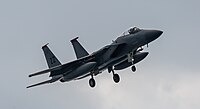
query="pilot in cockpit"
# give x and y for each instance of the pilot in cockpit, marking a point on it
(133, 30)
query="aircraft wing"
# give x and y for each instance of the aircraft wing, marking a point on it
(45, 82)
(46, 71)
(74, 64)
(65, 67)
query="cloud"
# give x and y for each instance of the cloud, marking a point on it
(179, 91)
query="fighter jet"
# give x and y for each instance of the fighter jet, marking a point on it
(125, 51)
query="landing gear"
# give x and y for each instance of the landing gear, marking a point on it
(116, 78)
(92, 82)
(131, 58)
(133, 68)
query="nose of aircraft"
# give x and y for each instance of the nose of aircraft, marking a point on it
(153, 34)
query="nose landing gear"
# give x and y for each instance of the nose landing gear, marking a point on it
(133, 68)
(92, 82)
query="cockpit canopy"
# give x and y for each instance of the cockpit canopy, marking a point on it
(131, 30)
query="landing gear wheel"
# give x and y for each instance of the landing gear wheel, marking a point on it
(133, 68)
(116, 78)
(92, 82)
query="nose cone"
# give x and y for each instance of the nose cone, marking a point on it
(153, 34)
(157, 33)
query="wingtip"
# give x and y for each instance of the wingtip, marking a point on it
(29, 86)
(31, 75)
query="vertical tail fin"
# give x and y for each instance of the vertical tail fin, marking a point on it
(51, 59)
(78, 48)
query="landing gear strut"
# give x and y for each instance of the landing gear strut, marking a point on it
(92, 82)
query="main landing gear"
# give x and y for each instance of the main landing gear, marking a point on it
(116, 77)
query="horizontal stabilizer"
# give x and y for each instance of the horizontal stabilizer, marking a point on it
(45, 82)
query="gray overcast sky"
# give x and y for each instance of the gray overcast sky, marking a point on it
(167, 79)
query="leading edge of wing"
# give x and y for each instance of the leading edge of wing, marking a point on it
(45, 82)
